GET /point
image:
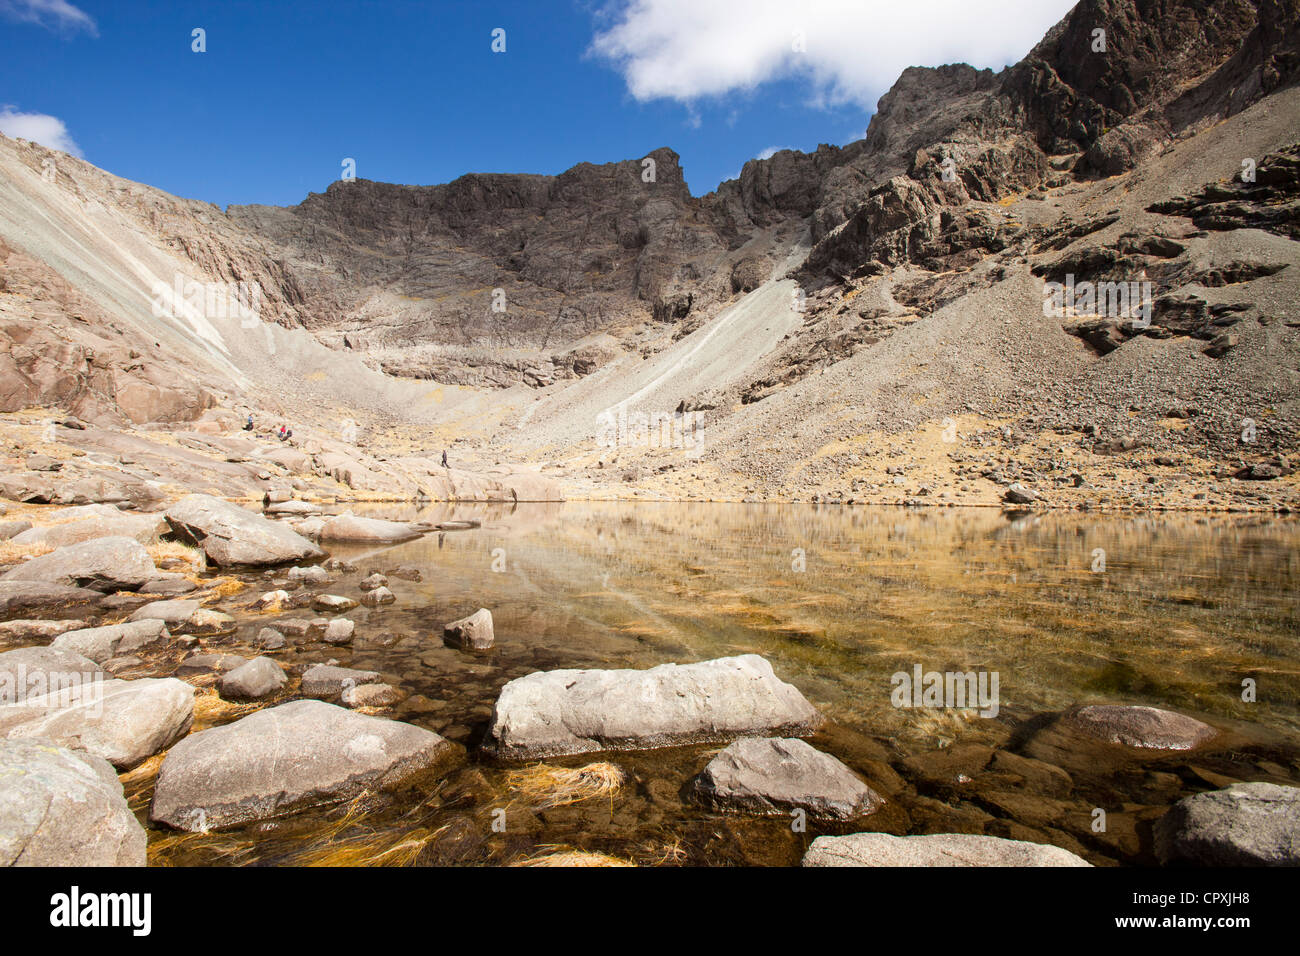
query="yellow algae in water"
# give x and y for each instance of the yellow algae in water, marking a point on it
(573, 858)
(545, 786)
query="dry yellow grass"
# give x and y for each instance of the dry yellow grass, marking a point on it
(224, 587)
(568, 857)
(11, 553)
(210, 709)
(544, 786)
(175, 551)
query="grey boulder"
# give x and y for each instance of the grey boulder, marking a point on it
(327, 682)
(231, 535)
(582, 711)
(260, 677)
(1144, 727)
(37, 671)
(102, 522)
(103, 564)
(473, 633)
(114, 640)
(278, 761)
(1246, 824)
(63, 808)
(935, 849)
(27, 596)
(778, 776)
(123, 721)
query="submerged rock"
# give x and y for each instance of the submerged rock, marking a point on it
(59, 807)
(935, 849)
(581, 711)
(473, 633)
(123, 721)
(231, 535)
(313, 576)
(287, 758)
(775, 776)
(1145, 727)
(1246, 824)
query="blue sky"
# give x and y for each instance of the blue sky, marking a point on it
(414, 93)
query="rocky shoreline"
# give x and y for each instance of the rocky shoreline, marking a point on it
(144, 646)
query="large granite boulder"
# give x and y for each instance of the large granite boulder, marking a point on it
(1246, 824)
(63, 808)
(26, 596)
(104, 564)
(581, 711)
(37, 671)
(231, 535)
(935, 849)
(350, 527)
(302, 754)
(777, 776)
(115, 640)
(94, 521)
(123, 721)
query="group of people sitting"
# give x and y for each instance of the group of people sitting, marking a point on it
(282, 433)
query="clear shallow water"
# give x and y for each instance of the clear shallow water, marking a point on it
(837, 599)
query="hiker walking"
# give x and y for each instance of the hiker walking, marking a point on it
(444, 458)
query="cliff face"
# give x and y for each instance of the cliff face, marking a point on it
(499, 280)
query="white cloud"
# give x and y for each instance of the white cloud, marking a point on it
(52, 14)
(771, 151)
(39, 128)
(852, 50)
